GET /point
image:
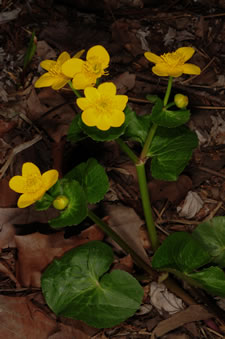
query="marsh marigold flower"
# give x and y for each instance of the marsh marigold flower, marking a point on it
(85, 73)
(173, 64)
(32, 184)
(54, 77)
(102, 107)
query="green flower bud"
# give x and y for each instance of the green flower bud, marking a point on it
(181, 100)
(60, 202)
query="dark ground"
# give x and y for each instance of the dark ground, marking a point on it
(34, 124)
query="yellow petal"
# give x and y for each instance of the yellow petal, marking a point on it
(191, 69)
(45, 80)
(49, 178)
(18, 184)
(64, 56)
(59, 82)
(107, 88)
(79, 54)
(28, 199)
(152, 57)
(120, 102)
(103, 123)
(83, 80)
(83, 103)
(164, 70)
(186, 52)
(30, 169)
(89, 117)
(47, 64)
(100, 53)
(117, 118)
(92, 94)
(72, 67)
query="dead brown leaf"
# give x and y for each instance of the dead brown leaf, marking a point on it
(36, 251)
(125, 82)
(192, 313)
(172, 191)
(21, 319)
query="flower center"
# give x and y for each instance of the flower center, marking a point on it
(55, 70)
(33, 183)
(94, 67)
(173, 59)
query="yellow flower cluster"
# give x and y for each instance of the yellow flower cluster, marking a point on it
(32, 184)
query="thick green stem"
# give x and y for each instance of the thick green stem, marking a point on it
(147, 206)
(75, 91)
(148, 141)
(168, 90)
(127, 150)
(106, 229)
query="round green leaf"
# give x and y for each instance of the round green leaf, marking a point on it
(111, 134)
(181, 252)
(75, 133)
(211, 235)
(93, 178)
(171, 150)
(212, 279)
(76, 286)
(138, 127)
(76, 210)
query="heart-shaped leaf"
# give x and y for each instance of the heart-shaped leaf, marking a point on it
(166, 118)
(181, 252)
(76, 210)
(138, 127)
(171, 149)
(211, 235)
(75, 133)
(77, 286)
(92, 177)
(212, 279)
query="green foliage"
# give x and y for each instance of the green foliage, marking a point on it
(182, 252)
(44, 203)
(75, 133)
(92, 177)
(211, 235)
(186, 255)
(138, 127)
(30, 51)
(77, 286)
(171, 150)
(166, 118)
(76, 210)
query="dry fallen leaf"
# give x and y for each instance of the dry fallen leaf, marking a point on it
(36, 251)
(21, 319)
(192, 313)
(191, 205)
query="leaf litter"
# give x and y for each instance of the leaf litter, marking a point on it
(127, 36)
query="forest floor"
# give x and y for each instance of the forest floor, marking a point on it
(34, 125)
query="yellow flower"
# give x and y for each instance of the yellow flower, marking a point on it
(60, 202)
(102, 107)
(173, 64)
(32, 184)
(54, 77)
(85, 73)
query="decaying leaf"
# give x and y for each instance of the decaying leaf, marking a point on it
(191, 205)
(36, 251)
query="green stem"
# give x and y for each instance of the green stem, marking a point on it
(147, 205)
(127, 150)
(168, 90)
(148, 141)
(75, 91)
(106, 229)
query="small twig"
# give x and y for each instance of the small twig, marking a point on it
(208, 170)
(213, 212)
(17, 150)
